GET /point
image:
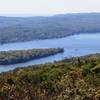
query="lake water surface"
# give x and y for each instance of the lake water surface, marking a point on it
(75, 45)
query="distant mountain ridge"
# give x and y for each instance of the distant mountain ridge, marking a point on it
(17, 29)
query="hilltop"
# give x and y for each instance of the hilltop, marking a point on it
(19, 29)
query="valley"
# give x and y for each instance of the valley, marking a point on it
(50, 58)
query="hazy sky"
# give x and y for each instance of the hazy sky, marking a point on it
(47, 7)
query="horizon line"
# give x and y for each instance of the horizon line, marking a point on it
(44, 15)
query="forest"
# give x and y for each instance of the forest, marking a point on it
(19, 29)
(20, 56)
(77, 78)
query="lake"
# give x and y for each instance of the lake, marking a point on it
(75, 45)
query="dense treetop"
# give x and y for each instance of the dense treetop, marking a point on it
(20, 56)
(77, 78)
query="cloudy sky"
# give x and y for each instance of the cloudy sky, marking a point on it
(47, 7)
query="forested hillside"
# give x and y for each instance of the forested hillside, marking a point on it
(16, 29)
(20, 56)
(72, 79)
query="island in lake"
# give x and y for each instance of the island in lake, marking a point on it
(20, 56)
(69, 75)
